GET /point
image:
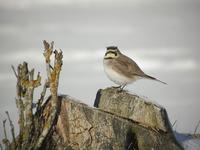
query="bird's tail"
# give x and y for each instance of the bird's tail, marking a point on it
(152, 78)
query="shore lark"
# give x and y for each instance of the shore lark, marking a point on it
(121, 69)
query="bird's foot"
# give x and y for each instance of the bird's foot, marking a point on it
(121, 88)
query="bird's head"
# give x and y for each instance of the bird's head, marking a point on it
(112, 52)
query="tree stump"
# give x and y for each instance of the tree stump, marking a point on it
(81, 127)
(134, 108)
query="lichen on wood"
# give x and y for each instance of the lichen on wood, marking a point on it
(12, 130)
(82, 127)
(133, 107)
(34, 127)
(53, 80)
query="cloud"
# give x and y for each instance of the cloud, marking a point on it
(28, 3)
(183, 65)
(13, 4)
(24, 4)
(147, 59)
(31, 55)
(164, 65)
(9, 29)
(6, 77)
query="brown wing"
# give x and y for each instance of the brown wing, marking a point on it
(127, 66)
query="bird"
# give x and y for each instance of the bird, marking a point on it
(121, 69)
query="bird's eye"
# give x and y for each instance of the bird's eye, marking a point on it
(115, 54)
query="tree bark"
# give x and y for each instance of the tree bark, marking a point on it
(135, 108)
(81, 127)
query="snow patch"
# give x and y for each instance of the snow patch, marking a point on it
(188, 142)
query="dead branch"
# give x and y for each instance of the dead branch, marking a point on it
(174, 123)
(13, 68)
(53, 78)
(25, 88)
(19, 101)
(48, 49)
(4, 127)
(42, 95)
(34, 127)
(5, 140)
(196, 127)
(12, 130)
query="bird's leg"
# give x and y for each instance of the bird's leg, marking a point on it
(122, 87)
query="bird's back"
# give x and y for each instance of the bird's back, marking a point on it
(127, 66)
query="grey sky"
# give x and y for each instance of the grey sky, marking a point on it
(162, 36)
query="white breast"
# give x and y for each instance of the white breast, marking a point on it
(114, 76)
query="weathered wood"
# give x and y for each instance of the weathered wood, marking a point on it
(36, 127)
(24, 100)
(134, 108)
(53, 80)
(81, 127)
(5, 141)
(12, 130)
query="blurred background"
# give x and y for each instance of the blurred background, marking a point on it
(163, 37)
